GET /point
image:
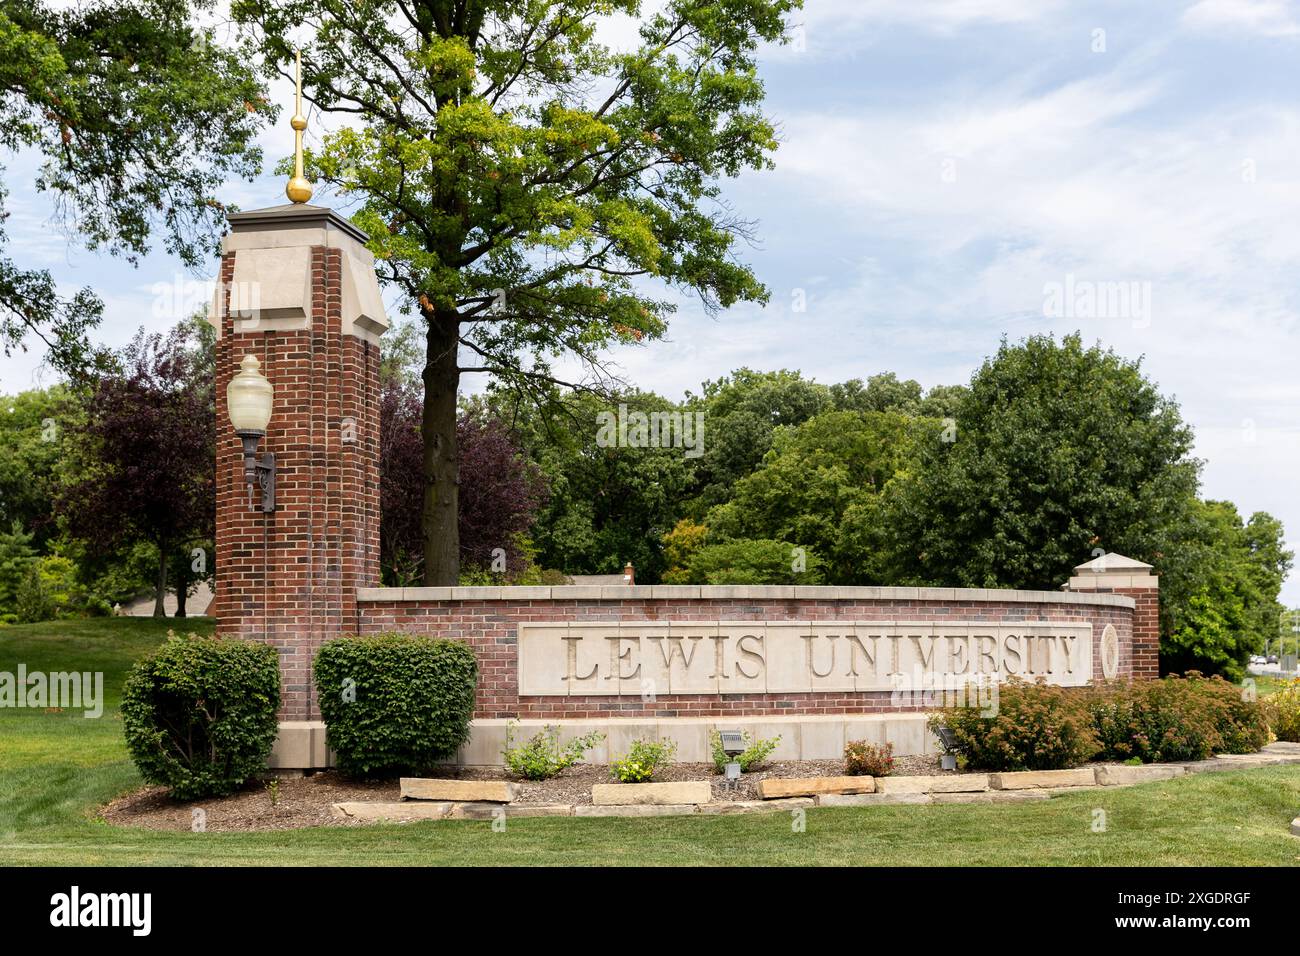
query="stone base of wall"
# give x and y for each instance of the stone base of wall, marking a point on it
(301, 744)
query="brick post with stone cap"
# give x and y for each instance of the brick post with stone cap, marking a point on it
(1120, 575)
(298, 292)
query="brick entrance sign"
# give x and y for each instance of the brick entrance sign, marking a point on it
(817, 665)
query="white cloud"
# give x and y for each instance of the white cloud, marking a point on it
(1273, 18)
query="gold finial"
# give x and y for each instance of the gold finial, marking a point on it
(298, 190)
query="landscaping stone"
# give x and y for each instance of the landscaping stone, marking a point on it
(1028, 779)
(658, 794)
(1113, 776)
(757, 806)
(947, 783)
(775, 787)
(870, 799)
(636, 810)
(1295, 827)
(469, 791)
(1240, 762)
(377, 811)
(489, 811)
(992, 796)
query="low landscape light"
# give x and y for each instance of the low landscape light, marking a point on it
(733, 742)
(948, 761)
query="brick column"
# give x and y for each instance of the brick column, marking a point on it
(298, 291)
(1117, 574)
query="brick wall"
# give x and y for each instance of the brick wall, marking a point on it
(1146, 632)
(290, 578)
(489, 627)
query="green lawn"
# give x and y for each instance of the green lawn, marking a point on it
(56, 768)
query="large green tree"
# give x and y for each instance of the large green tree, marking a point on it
(1219, 601)
(741, 412)
(1057, 450)
(609, 503)
(531, 192)
(137, 115)
(820, 486)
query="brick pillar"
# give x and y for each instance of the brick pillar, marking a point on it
(1117, 574)
(298, 291)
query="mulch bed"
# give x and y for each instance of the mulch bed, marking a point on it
(304, 801)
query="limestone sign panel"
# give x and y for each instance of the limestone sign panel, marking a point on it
(632, 658)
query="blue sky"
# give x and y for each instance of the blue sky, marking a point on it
(943, 163)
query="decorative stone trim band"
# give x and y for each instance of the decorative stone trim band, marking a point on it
(688, 592)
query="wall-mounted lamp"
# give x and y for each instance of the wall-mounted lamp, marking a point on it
(249, 398)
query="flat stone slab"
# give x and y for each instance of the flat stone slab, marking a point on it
(390, 812)
(637, 810)
(775, 788)
(1240, 762)
(1114, 776)
(490, 811)
(1295, 827)
(1282, 747)
(938, 783)
(469, 791)
(656, 794)
(779, 804)
(1028, 779)
(870, 799)
(992, 796)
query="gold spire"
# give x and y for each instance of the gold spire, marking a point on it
(298, 190)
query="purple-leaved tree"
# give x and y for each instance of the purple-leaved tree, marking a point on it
(147, 443)
(501, 491)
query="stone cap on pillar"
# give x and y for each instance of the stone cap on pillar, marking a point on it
(1110, 571)
(271, 283)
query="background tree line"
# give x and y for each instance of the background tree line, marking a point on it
(565, 181)
(1053, 453)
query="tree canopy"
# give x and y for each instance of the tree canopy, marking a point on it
(137, 115)
(531, 192)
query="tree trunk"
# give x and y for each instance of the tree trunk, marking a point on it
(441, 505)
(182, 590)
(160, 590)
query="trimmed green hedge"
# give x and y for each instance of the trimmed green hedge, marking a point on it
(395, 703)
(199, 713)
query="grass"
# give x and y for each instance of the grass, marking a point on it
(1266, 684)
(57, 768)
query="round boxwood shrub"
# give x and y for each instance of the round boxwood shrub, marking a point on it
(199, 713)
(395, 703)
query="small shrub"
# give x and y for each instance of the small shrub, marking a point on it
(1175, 719)
(862, 759)
(1283, 709)
(541, 757)
(199, 714)
(642, 760)
(754, 755)
(1243, 721)
(395, 702)
(1036, 727)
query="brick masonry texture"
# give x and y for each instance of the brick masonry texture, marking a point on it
(489, 627)
(290, 578)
